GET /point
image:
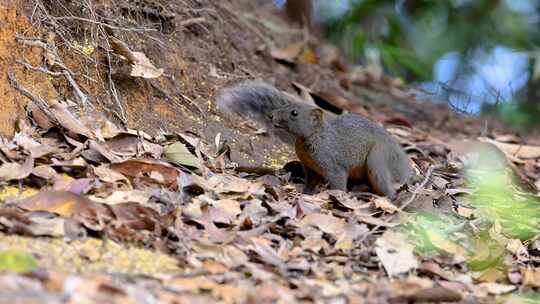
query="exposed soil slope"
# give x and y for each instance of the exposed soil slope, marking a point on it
(201, 47)
(179, 223)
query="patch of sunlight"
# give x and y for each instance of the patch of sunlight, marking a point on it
(16, 260)
(86, 47)
(90, 255)
(10, 191)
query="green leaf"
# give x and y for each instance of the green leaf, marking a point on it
(16, 260)
(523, 298)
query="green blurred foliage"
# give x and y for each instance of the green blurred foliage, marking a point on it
(426, 229)
(519, 113)
(409, 36)
(511, 113)
(16, 260)
(501, 213)
(496, 199)
(524, 298)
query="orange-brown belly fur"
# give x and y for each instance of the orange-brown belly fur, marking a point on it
(304, 155)
(356, 173)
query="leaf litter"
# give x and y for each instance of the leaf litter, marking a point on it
(194, 229)
(240, 238)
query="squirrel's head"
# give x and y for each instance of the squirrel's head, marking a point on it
(298, 120)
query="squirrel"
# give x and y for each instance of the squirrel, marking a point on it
(334, 148)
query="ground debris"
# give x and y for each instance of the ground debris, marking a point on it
(113, 214)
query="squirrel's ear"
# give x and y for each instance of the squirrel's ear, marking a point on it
(316, 115)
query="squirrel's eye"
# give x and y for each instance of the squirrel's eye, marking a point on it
(294, 113)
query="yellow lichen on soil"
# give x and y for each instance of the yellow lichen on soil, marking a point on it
(10, 191)
(90, 255)
(12, 103)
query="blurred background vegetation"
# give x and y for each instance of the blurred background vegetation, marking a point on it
(479, 56)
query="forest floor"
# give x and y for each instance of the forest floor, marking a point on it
(120, 182)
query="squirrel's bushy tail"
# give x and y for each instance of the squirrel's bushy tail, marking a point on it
(257, 100)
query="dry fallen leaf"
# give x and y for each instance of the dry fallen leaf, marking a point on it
(304, 92)
(77, 186)
(104, 173)
(40, 117)
(385, 204)
(484, 289)
(436, 269)
(519, 250)
(34, 148)
(227, 184)
(409, 293)
(531, 277)
(45, 172)
(336, 103)
(395, 253)
(144, 68)
(118, 197)
(228, 206)
(33, 224)
(61, 202)
(267, 253)
(308, 56)
(326, 223)
(67, 120)
(15, 171)
(163, 173)
(123, 144)
(289, 53)
(510, 138)
(178, 153)
(140, 64)
(352, 232)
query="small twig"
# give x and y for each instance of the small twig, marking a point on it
(89, 78)
(122, 115)
(248, 72)
(38, 69)
(121, 48)
(191, 21)
(151, 37)
(39, 102)
(463, 225)
(192, 103)
(32, 42)
(57, 60)
(270, 25)
(38, 43)
(421, 186)
(24, 91)
(82, 97)
(105, 24)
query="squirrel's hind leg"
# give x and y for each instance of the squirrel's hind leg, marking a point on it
(378, 174)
